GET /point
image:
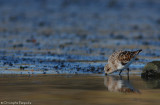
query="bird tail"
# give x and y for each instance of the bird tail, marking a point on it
(137, 52)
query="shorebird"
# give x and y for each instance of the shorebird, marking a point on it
(120, 61)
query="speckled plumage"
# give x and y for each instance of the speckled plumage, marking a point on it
(120, 60)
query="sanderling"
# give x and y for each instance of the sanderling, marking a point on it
(120, 60)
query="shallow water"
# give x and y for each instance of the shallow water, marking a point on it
(79, 89)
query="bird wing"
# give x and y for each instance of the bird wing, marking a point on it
(126, 56)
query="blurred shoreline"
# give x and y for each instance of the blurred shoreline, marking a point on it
(38, 35)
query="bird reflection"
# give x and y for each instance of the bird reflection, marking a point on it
(117, 84)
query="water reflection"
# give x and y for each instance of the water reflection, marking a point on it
(152, 83)
(118, 84)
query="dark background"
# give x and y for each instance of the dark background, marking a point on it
(85, 30)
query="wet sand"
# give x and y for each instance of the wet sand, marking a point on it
(78, 89)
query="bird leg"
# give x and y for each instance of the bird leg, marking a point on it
(120, 72)
(120, 77)
(128, 70)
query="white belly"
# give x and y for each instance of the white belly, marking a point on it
(121, 67)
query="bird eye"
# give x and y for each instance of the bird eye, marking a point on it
(107, 69)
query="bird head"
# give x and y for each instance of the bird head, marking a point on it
(107, 69)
